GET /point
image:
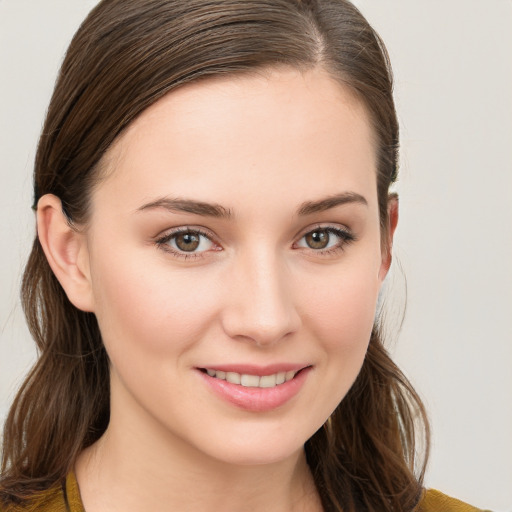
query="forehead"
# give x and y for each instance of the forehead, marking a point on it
(277, 130)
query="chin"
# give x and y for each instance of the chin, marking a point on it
(257, 456)
(256, 447)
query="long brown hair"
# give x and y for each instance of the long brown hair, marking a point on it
(125, 56)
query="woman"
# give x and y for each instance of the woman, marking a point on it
(214, 226)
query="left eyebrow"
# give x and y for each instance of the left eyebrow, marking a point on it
(327, 203)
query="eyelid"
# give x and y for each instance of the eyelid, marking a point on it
(185, 229)
(343, 232)
(162, 240)
(325, 226)
(346, 235)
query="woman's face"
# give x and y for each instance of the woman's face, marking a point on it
(236, 236)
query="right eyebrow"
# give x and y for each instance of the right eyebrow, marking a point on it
(188, 206)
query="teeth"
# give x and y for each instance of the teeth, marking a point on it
(233, 377)
(253, 381)
(250, 381)
(289, 375)
(268, 381)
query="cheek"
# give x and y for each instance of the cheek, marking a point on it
(338, 310)
(340, 315)
(342, 308)
(148, 307)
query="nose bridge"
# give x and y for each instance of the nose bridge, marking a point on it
(261, 306)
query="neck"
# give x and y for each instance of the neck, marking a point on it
(130, 472)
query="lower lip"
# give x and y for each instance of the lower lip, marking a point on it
(257, 399)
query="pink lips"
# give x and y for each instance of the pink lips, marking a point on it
(257, 399)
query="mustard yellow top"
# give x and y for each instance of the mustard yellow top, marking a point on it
(66, 498)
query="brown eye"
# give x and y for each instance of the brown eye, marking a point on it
(326, 240)
(187, 242)
(318, 239)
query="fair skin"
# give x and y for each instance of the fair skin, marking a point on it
(280, 271)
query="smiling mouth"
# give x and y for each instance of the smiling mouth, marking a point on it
(252, 381)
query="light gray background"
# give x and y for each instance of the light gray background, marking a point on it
(453, 67)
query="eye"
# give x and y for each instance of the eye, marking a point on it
(186, 242)
(325, 239)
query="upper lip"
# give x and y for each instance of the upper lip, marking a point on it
(251, 369)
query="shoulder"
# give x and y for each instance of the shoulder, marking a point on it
(51, 499)
(45, 501)
(435, 501)
(64, 497)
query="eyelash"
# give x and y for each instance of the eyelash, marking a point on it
(345, 236)
(163, 242)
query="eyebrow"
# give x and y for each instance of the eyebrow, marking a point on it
(188, 206)
(327, 203)
(218, 211)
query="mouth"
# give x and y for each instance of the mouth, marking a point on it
(256, 388)
(249, 380)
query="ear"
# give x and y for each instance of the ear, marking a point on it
(65, 248)
(387, 245)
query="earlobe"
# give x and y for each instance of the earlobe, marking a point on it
(65, 248)
(388, 243)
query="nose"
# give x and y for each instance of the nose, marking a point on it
(260, 306)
